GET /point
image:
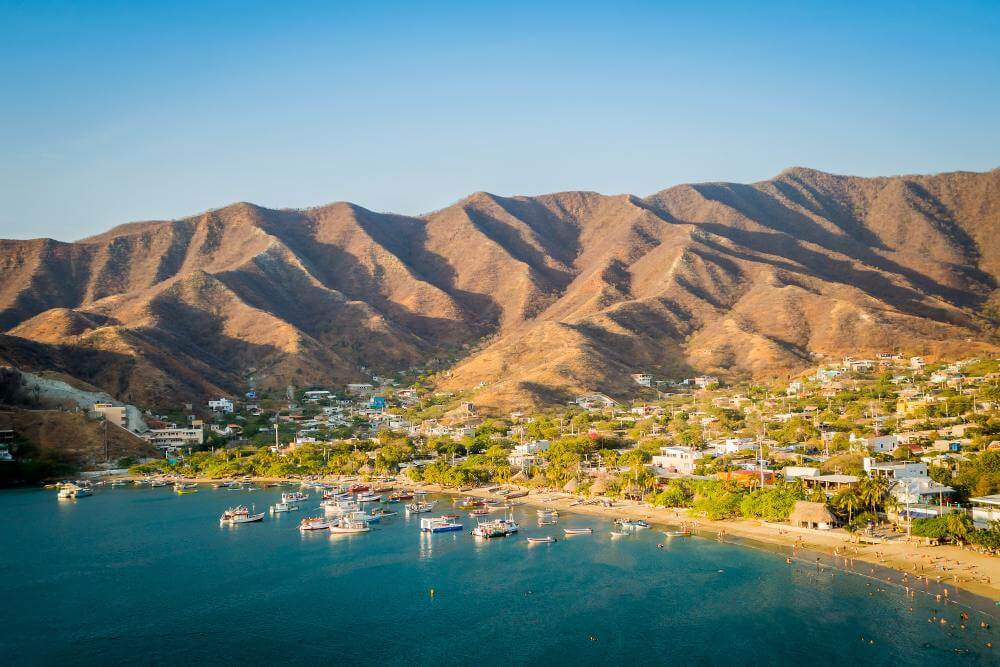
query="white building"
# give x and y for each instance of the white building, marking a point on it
(524, 454)
(316, 395)
(985, 510)
(223, 405)
(878, 444)
(911, 483)
(677, 459)
(167, 438)
(643, 379)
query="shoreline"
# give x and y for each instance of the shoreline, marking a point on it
(963, 574)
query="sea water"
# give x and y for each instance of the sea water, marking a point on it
(146, 575)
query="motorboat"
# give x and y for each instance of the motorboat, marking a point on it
(157, 483)
(482, 511)
(546, 512)
(419, 508)
(340, 506)
(241, 514)
(615, 534)
(548, 539)
(283, 507)
(383, 513)
(543, 522)
(632, 523)
(450, 517)
(677, 533)
(368, 497)
(358, 488)
(439, 525)
(183, 489)
(314, 523)
(399, 496)
(294, 497)
(578, 531)
(345, 526)
(495, 528)
(74, 491)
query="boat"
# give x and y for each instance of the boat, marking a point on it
(157, 483)
(469, 503)
(542, 522)
(677, 533)
(384, 513)
(361, 516)
(495, 528)
(542, 540)
(547, 512)
(346, 526)
(419, 508)
(314, 523)
(118, 483)
(516, 494)
(294, 497)
(369, 497)
(439, 525)
(450, 517)
(632, 523)
(617, 533)
(240, 514)
(400, 495)
(283, 507)
(340, 506)
(74, 491)
(184, 489)
(578, 531)
(358, 488)
(479, 512)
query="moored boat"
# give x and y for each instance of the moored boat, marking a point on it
(314, 523)
(439, 525)
(294, 497)
(419, 508)
(495, 528)
(69, 491)
(240, 514)
(578, 531)
(617, 533)
(277, 508)
(632, 523)
(368, 497)
(548, 539)
(345, 526)
(677, 533)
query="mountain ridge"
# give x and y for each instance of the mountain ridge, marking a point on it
(524, 299)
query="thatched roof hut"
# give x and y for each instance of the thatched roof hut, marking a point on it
(808, 514)
(571, 486)
(599, 486)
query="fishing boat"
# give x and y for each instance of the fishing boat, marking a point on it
(157, 483)
(543, 522)
(294, 497)
(469, 503)
(369, 497)
(516, 494)
(677, 533)
(546, 512)
(383, 512)
(578, 531)
(358, 488)
(314, 523)
(74, 491)
(450, 517)
(345, 526)
(277, 508)
(399, 496)
(479, 512)
(240, 514)
(362, 516)
(340, 506)
(615, 534)
(184, 489)
(495, 528)
(632, 523)
(548, 539)
(439, 525)
(419, 508)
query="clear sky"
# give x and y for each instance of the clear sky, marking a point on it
(111, 112)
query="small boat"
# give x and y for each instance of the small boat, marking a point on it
(369, 497)
(677, 533)
(358, 488)
(241, 514)
(118, 483)
(542, 522)
(345, 526)
(547, 512)
(184, 489)
(516, 494)
(615, 534)
(578, 531)
(479, 512)
(314, 523)
(632, 523)
(495, 528)
(294, 497)
(419, 508)
(439, 525)
(450, 517)
(283, 507)
(74, 491)
(384, 513)
(157, 483)
(542, 540)
(400, 495)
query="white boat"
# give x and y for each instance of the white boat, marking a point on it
(157, 482)
(633, 523)
(314, 523)
(283, 507)
(294, 497)
(340, 506)
(547, 512)
(346, 526)
(240, 514)
(495, 528)
(369, 497)
(578, 531)
(74, 491)
(439, 525)
(542, 540)
(677, 533)
(615, 534)
(418, 507)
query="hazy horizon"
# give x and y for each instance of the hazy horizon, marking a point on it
(121, 113)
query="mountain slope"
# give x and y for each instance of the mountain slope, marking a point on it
(541, 297)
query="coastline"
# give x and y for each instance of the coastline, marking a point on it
(971, 579)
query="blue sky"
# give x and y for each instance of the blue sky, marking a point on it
(111, 112)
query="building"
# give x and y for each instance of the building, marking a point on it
(677, 459)
(116, 414)
(223, 405)
(595, 401)
(830, 483)
(911, 485)
(878, 444)
(798, 472)
(316, 395)
(703, 381)
(643, 379)
(170, 438)
(808, 514)
(377, 403)
(985, 510)
(5, 455)
(525, 454)
(360, 389)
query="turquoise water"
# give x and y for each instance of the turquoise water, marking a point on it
(139, 574)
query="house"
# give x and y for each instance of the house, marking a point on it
(116, 414)
(732, 445)
(524, 454)
(677, 459)
(911, 484)
(595, 401)
(830, 483)
(917, 363)
(799, 472)
(360, 389)
(795, 388)
(703, 381)
(377, 403)
(223, 405)
(878, 444)
(808, 514)
(317, 395)
(170, 438)
(985, 510)
(643, 379)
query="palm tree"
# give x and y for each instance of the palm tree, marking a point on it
(847, 501)
(957, 524)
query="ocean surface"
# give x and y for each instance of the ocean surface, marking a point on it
(147, 576)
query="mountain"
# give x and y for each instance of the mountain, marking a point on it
(537, 298)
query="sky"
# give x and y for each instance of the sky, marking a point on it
(112, 112)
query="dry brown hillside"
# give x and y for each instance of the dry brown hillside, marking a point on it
(542, 297)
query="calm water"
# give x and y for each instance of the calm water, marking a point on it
(145, 575)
